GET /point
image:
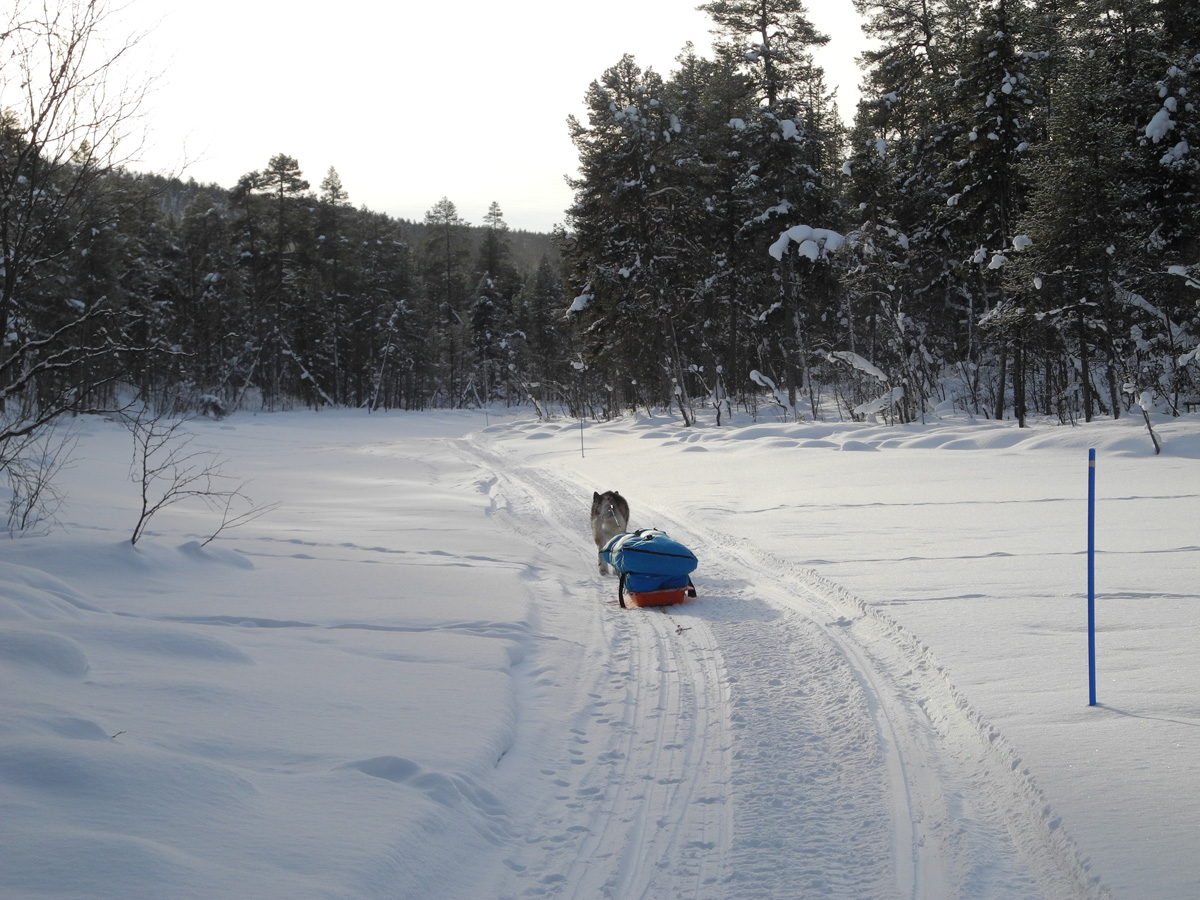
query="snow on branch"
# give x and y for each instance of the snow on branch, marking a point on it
(580, 303)
(857, 362)
(1190, 274)
(763, 381)
(879, 404)
(1162, 124)
(813, 243)
(1020, 243)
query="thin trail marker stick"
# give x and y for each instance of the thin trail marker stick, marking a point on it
(1091, 577)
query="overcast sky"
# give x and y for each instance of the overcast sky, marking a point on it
(413, 101)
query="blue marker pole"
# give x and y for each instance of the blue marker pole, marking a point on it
(1091, 576)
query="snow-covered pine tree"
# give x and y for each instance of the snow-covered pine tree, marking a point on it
(446, 266)
(789, 150)
(905, 131)
(492, 311)
(998, 102)
(622, 241)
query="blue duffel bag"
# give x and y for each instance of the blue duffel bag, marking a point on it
(649, 562)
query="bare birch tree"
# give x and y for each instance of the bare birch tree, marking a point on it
(67, 116)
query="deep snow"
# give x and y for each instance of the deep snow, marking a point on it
(409, 679)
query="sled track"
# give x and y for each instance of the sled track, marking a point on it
(776, 718)
(658, 819)
(644, 773)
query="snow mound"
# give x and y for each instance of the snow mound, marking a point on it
(46, 652)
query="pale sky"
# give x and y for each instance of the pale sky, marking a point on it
(413, 101)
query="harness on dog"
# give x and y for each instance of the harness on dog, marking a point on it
(654, 569)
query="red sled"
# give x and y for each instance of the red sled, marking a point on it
(663, 597)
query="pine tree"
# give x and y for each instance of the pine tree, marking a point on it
(773, 38)
(1080, 218)
(277, 232)
(445, 269)
(998, 101)
(493, 308)
(214, 305)
(791, 145)
(619, 249)
(716, 186)
(542, 338)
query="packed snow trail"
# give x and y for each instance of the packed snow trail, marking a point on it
(774, 738)
(638, 799)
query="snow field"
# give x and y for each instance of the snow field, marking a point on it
(410, 680)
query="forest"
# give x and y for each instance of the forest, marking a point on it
(1009, 225)
(1006, 226)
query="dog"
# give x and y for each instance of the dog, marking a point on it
(610, 517)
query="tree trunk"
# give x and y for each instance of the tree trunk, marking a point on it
(1001, 378)
(1018, 380)
(1085, 363)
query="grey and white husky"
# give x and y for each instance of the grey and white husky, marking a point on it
(610, 517)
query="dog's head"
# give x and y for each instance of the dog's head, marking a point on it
(601, 503)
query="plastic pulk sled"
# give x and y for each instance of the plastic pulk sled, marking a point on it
(655, 570)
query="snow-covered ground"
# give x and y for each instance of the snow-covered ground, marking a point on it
(409, 679)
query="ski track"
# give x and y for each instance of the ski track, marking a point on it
(775, 737)
(639, 802)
